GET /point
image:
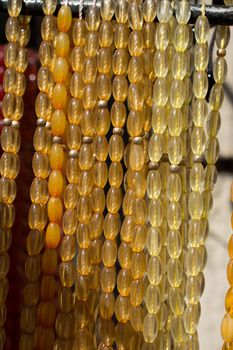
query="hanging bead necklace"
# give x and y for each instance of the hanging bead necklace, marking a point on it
(39, 190)
(14, 83)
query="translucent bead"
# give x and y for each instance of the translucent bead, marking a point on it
(212, 150)
(149, 10)
(12, 29)
(107, 305)
(40, 165)
(135, 43)
(174, 215)
(193, 289)
(105, 34)
(159, 122)
(62, 45)
(9, 165)
(164, 11)
(222, 36)
(49, 6)
(160, 92)
(124, 279)
(135, 16)
(109, 253)
(195, 205)
(181, 37)
(125, 255)
(176, 301)
(200, 112)
(177, 94)
(154, 270)
(161, 63)
(153, 184)
(193, 262)
(175, 150)
(174, 187)
(197, 177)
(154, 241)
(14, 7)
(198, 140)
(152, 299)
(150, 328)
(136, 157)
(115, 174)
(177, 329)
(59, 97)
(200, 84)
(92, 18)
(183, 12)
(202, 29)
(56, 157)
(12, 106)
(137, 289)
(73, 137)
(121, 11)
(46, 54)
(216, 96)
(67, 273)
(155, 149)
(191, 318)
(201, 57)
(155, 212)
(179, 65)
(220, 70)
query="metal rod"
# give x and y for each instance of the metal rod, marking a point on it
(217, 14)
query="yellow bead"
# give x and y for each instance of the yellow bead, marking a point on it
(59, 96)
(55, 183)
(54, 209)
(60, 71)
(62, 46)
(56, 156)
(64, 18)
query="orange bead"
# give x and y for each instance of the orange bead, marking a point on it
(52, 236)
(49, 261)
(232, 192)
(44, 338)
(230, 247)
(56, 156)
(61, 69)
(59, 96)
(48, 287)
(230, 272)
(62, 46)
(54, 209)
(46, 313)
(227, 328)
(64, 18)
(58, 122)
(229, 301)
(55, 183)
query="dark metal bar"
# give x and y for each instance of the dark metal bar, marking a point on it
(217, 14)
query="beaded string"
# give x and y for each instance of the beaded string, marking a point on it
(155, 151)
(193, 260)
(136, 174)
(118, 119)
(34, 291)
(64, 324)
(109, 223)
(84, 277)
(14, 83)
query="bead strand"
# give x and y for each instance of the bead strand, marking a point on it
(39, 187)
(175, 266)
(136, 174)
(71, 225)
(155, 152)
(85, 333)
(14, 84)
(222, 38)
(118, 120)
(193, 259)
(65, 316)
(109, 224)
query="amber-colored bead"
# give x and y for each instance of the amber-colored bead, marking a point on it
(64, 18)
(52, 237)
(62, 46)
(54, 209)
